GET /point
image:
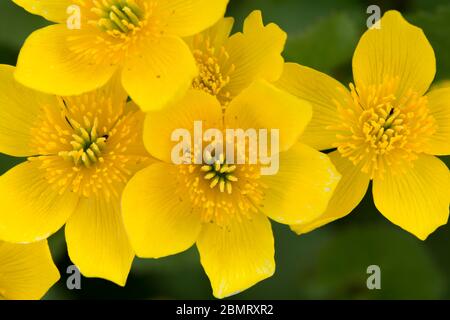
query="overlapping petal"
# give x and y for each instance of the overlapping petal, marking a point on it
(158, 216)
(64, 62)
(19, 110)
(159, 126)
(263, 106)
(255, 53)
(348, 194)
(300, 191)
(159, 72)
(218, 34)
(187, 17)
(439, 104)
(324, 94)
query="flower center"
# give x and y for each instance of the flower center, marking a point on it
(89, 145)
(221, 191)
(118, 27)
(380, 130)
(219, 173)
(214, 69)
(117, 17)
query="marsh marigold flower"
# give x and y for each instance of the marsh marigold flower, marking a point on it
(223, 208)
(81, 152)
(27, 271)
(228, 64)
(140, 39)
(386, 129)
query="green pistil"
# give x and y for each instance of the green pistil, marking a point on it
(118, 15)
(87, 145)
(220, 174)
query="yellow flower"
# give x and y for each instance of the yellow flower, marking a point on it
(27, 271)
(229, 64)
(386, 128)
(81, 152)
(139, 39)
(224, 208)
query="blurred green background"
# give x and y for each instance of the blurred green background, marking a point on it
(331, 262)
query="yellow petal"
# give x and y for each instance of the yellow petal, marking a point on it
(56, 60)
(324, 94)
(27, 271)
(418, 199)
(137, 148)
(158, 216)
(348, 194)
(114, 90)
(97, 242)
(238, 256)
(53, 10)
(300, 191)
(159, 73)
(398, 49)
(30, 208)
(263, 106)
(185, 18)
(255, 53)
(439, 104)
(218, 34)
(19, 110)
(159, 126)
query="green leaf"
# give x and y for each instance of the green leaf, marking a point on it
(408, 271)
(291, 15)
(326, 45)
(16, 24)
(7, 162)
